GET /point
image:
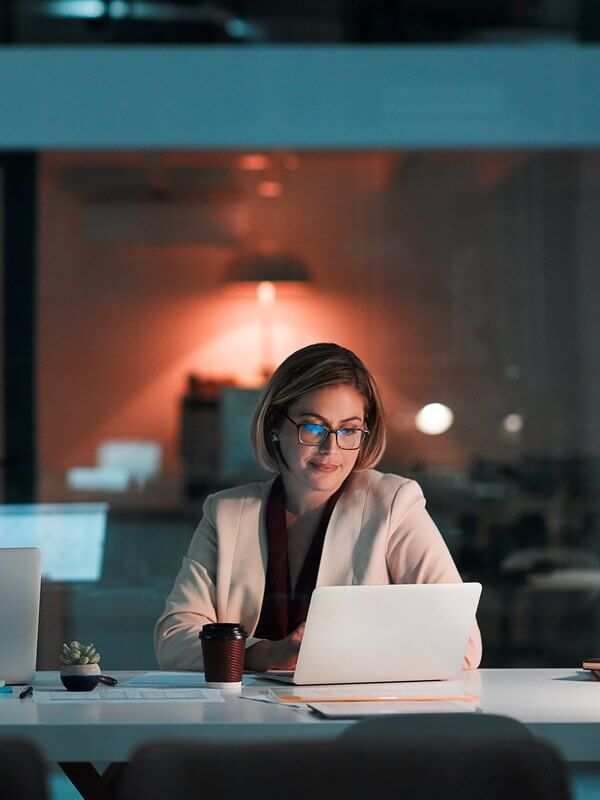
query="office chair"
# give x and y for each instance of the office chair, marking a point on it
(22, 771)
(409, 727)
(464, 768)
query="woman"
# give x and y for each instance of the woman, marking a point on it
(327, 519)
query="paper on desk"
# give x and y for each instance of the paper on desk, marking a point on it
(177, 679)
(414, 691)
(167, 679)
(350, 710)
(128, 695)
(263, 695)
(424, 694)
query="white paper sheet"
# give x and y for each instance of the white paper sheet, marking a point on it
(128, 695)
(310, 696)
(167, 679)
(350, 710)
(178, 679)
(263, 695)
(453, 690)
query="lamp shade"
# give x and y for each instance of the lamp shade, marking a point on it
(272, 267)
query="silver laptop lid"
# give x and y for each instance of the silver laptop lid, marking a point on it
(20, 580)
(407, 632)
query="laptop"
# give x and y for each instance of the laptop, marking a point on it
(372, 634)
(20, 583)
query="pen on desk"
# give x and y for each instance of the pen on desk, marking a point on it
(107, 680)
(26, 691)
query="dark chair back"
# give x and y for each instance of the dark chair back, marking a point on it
(447, 725)
(465, 769)
(22, 771)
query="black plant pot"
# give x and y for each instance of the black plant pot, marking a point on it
(80, 677)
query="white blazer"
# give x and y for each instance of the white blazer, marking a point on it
(379, 533)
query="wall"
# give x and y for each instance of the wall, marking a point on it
(442, 270)
(533, 95)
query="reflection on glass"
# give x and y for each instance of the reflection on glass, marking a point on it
(463, 276)
(71, 537)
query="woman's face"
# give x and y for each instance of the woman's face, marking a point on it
(324, 467)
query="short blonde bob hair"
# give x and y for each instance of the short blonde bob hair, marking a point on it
(304, 371)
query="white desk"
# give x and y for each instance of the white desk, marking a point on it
(560, 705)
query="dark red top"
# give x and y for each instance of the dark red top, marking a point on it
(282, 611)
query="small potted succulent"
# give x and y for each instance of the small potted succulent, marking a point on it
(80, 671)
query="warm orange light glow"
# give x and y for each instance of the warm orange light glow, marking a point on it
(270, 189)
(290, 161)
(266, 293)
(229, 330)
(173, 322)
(217, 336)
(253, 162)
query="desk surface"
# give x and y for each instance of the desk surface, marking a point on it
(560, 705)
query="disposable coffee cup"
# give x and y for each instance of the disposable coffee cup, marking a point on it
(223, 651)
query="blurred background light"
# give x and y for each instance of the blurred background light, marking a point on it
(265, 293)
(70, 535)
(513, 423)
(242, 29)
(434, 419)
(253, 162)
(118, 9)
(142, 460)
(270, 189)
(82, 9)
(513, 372)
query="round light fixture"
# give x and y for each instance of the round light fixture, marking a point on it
(513, 423)
(434, 418)
(259, 267)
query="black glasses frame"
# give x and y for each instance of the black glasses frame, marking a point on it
(327, 431)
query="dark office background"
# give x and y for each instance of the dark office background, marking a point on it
(295, 21)
(463, 274)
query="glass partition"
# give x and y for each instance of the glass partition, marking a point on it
(2, 392)
(466, 280)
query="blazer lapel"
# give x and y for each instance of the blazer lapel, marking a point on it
(337, 559)
(249, 564)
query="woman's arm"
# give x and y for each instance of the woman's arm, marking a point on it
(417, 553)
(191, 603)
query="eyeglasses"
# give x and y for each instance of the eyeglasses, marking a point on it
(313, 434)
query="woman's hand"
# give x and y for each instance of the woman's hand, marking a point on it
(281, 654)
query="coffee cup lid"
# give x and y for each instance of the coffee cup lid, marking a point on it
(223, 630)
